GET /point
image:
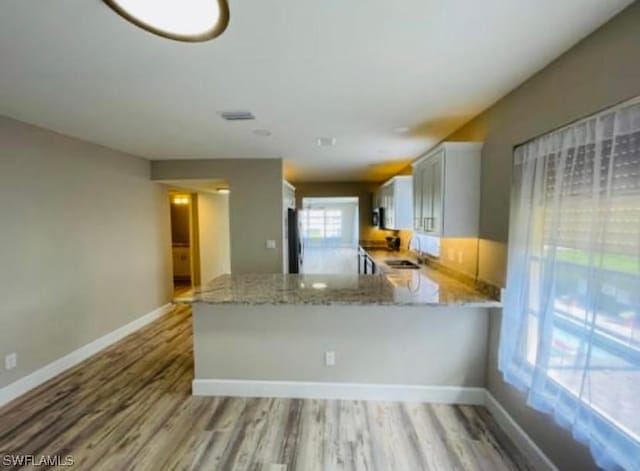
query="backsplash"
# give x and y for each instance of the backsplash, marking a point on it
(460, 255)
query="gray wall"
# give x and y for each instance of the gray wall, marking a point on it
(373, 344)
(85, 244)
(600, 71)
(255, 205)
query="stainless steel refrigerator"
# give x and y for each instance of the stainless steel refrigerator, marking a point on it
(294, 235)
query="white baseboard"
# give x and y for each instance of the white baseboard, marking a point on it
(25, 384)
(525, 444)
(325, 390)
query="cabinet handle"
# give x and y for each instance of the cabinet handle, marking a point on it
(429, 224)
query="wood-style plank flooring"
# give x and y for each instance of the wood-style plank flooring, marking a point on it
(130, 408)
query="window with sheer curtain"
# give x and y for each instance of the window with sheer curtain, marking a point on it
(570, 333)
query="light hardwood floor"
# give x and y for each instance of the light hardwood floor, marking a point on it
(130, 408)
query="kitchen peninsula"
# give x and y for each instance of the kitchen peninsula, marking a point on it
(399, 335)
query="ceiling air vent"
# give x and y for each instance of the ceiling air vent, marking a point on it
(237, 115)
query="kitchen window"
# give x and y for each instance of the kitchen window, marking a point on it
(570, 334)
(322, 224)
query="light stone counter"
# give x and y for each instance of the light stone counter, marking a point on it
(392, 287)
(416, 335)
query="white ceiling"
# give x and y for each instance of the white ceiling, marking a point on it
(351, 69)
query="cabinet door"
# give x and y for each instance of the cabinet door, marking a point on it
(390, 208)
(417, 199)
(427, 196)
(435, 223)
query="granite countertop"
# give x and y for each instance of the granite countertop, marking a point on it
(427, 285)
(390, 287)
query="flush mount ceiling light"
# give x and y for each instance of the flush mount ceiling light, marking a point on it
(181, 200)
(401, 130)
(183, 20)
(326, 141)
(223, 191)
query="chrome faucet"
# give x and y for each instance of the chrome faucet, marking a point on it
(419, 250)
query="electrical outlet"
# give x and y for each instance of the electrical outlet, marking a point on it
(330, 358)
(460, 256)
(10, 361)
(271, 244)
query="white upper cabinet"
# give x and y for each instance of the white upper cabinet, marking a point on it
(446, 190)
(288, 195)
(396, 197)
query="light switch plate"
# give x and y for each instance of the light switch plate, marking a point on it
(330, 358)
(271, 244)
(10, 361)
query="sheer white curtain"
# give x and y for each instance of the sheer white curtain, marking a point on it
(570, 331)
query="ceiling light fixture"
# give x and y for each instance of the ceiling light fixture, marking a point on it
(223, 191)
(181, 200)
(401, 130)
(326, 141)
(182, 20)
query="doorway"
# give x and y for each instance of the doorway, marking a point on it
(330, 234)
(200, 236)
(184, 241)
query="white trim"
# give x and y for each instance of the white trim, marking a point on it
(450, 145)
(44, 374)
(286, 183)
(325, 390)
(397, 178)
(525, 444)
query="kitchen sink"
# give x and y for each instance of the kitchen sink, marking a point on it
(402, 264)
